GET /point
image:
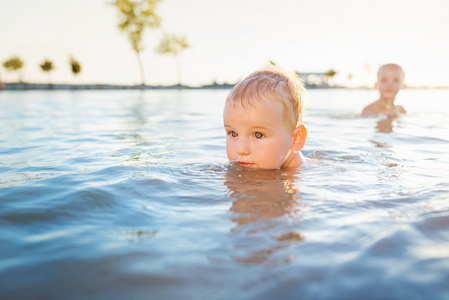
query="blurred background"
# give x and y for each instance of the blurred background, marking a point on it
(335, 42)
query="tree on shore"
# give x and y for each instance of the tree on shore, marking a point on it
(75, 66)
(135, 17)
(14, 64)
(330, 74)
(47, 66)
(171, 44)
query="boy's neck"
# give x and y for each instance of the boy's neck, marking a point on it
(387, 101)
(295, 161)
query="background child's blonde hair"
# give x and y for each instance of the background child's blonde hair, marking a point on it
(273, 84)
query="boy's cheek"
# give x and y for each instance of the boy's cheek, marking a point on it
(229, 152)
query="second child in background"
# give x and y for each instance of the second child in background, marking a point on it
(390, 80)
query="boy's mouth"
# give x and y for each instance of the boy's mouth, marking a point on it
(244, 165)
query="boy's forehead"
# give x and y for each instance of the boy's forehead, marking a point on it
(270, 104)
(253, 103)
(389, 70)
(261, 114)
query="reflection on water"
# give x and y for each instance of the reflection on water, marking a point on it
(262, 202)
(387, 124)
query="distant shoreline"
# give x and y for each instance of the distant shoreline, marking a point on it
(16, 86)
(99, 86)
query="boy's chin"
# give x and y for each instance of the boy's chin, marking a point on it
(389, 95)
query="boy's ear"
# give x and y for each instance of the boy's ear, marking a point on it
(404, 86)
(300, 136)
(375, 86)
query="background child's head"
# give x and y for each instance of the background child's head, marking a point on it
(391, 67)
(272, 84)
(390, 80)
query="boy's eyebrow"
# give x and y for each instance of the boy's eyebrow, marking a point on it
(262, 128)
(257, 127)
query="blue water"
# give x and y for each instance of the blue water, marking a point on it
(129, 195)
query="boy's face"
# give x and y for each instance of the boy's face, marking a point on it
(256, 137)
(389, 82)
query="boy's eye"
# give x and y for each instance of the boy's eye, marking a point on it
(233, 134)
(258, 135)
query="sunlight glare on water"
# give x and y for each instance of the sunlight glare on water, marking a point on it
(129, 195)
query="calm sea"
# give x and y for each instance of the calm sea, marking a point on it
(129, 195)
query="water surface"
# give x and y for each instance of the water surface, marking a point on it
(129, 195)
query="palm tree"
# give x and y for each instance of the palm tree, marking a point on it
(47, 66)
(135, 17)
(171, 44)
(14, 64)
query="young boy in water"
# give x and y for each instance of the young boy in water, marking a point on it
(390, 80)
(263, 119)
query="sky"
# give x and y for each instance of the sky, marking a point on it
(230, 39)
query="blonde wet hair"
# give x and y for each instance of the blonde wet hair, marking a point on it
(272, 84)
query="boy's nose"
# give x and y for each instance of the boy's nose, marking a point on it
(242, 147)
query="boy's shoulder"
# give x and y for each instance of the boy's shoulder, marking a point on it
(372, 110)
(376, 108)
